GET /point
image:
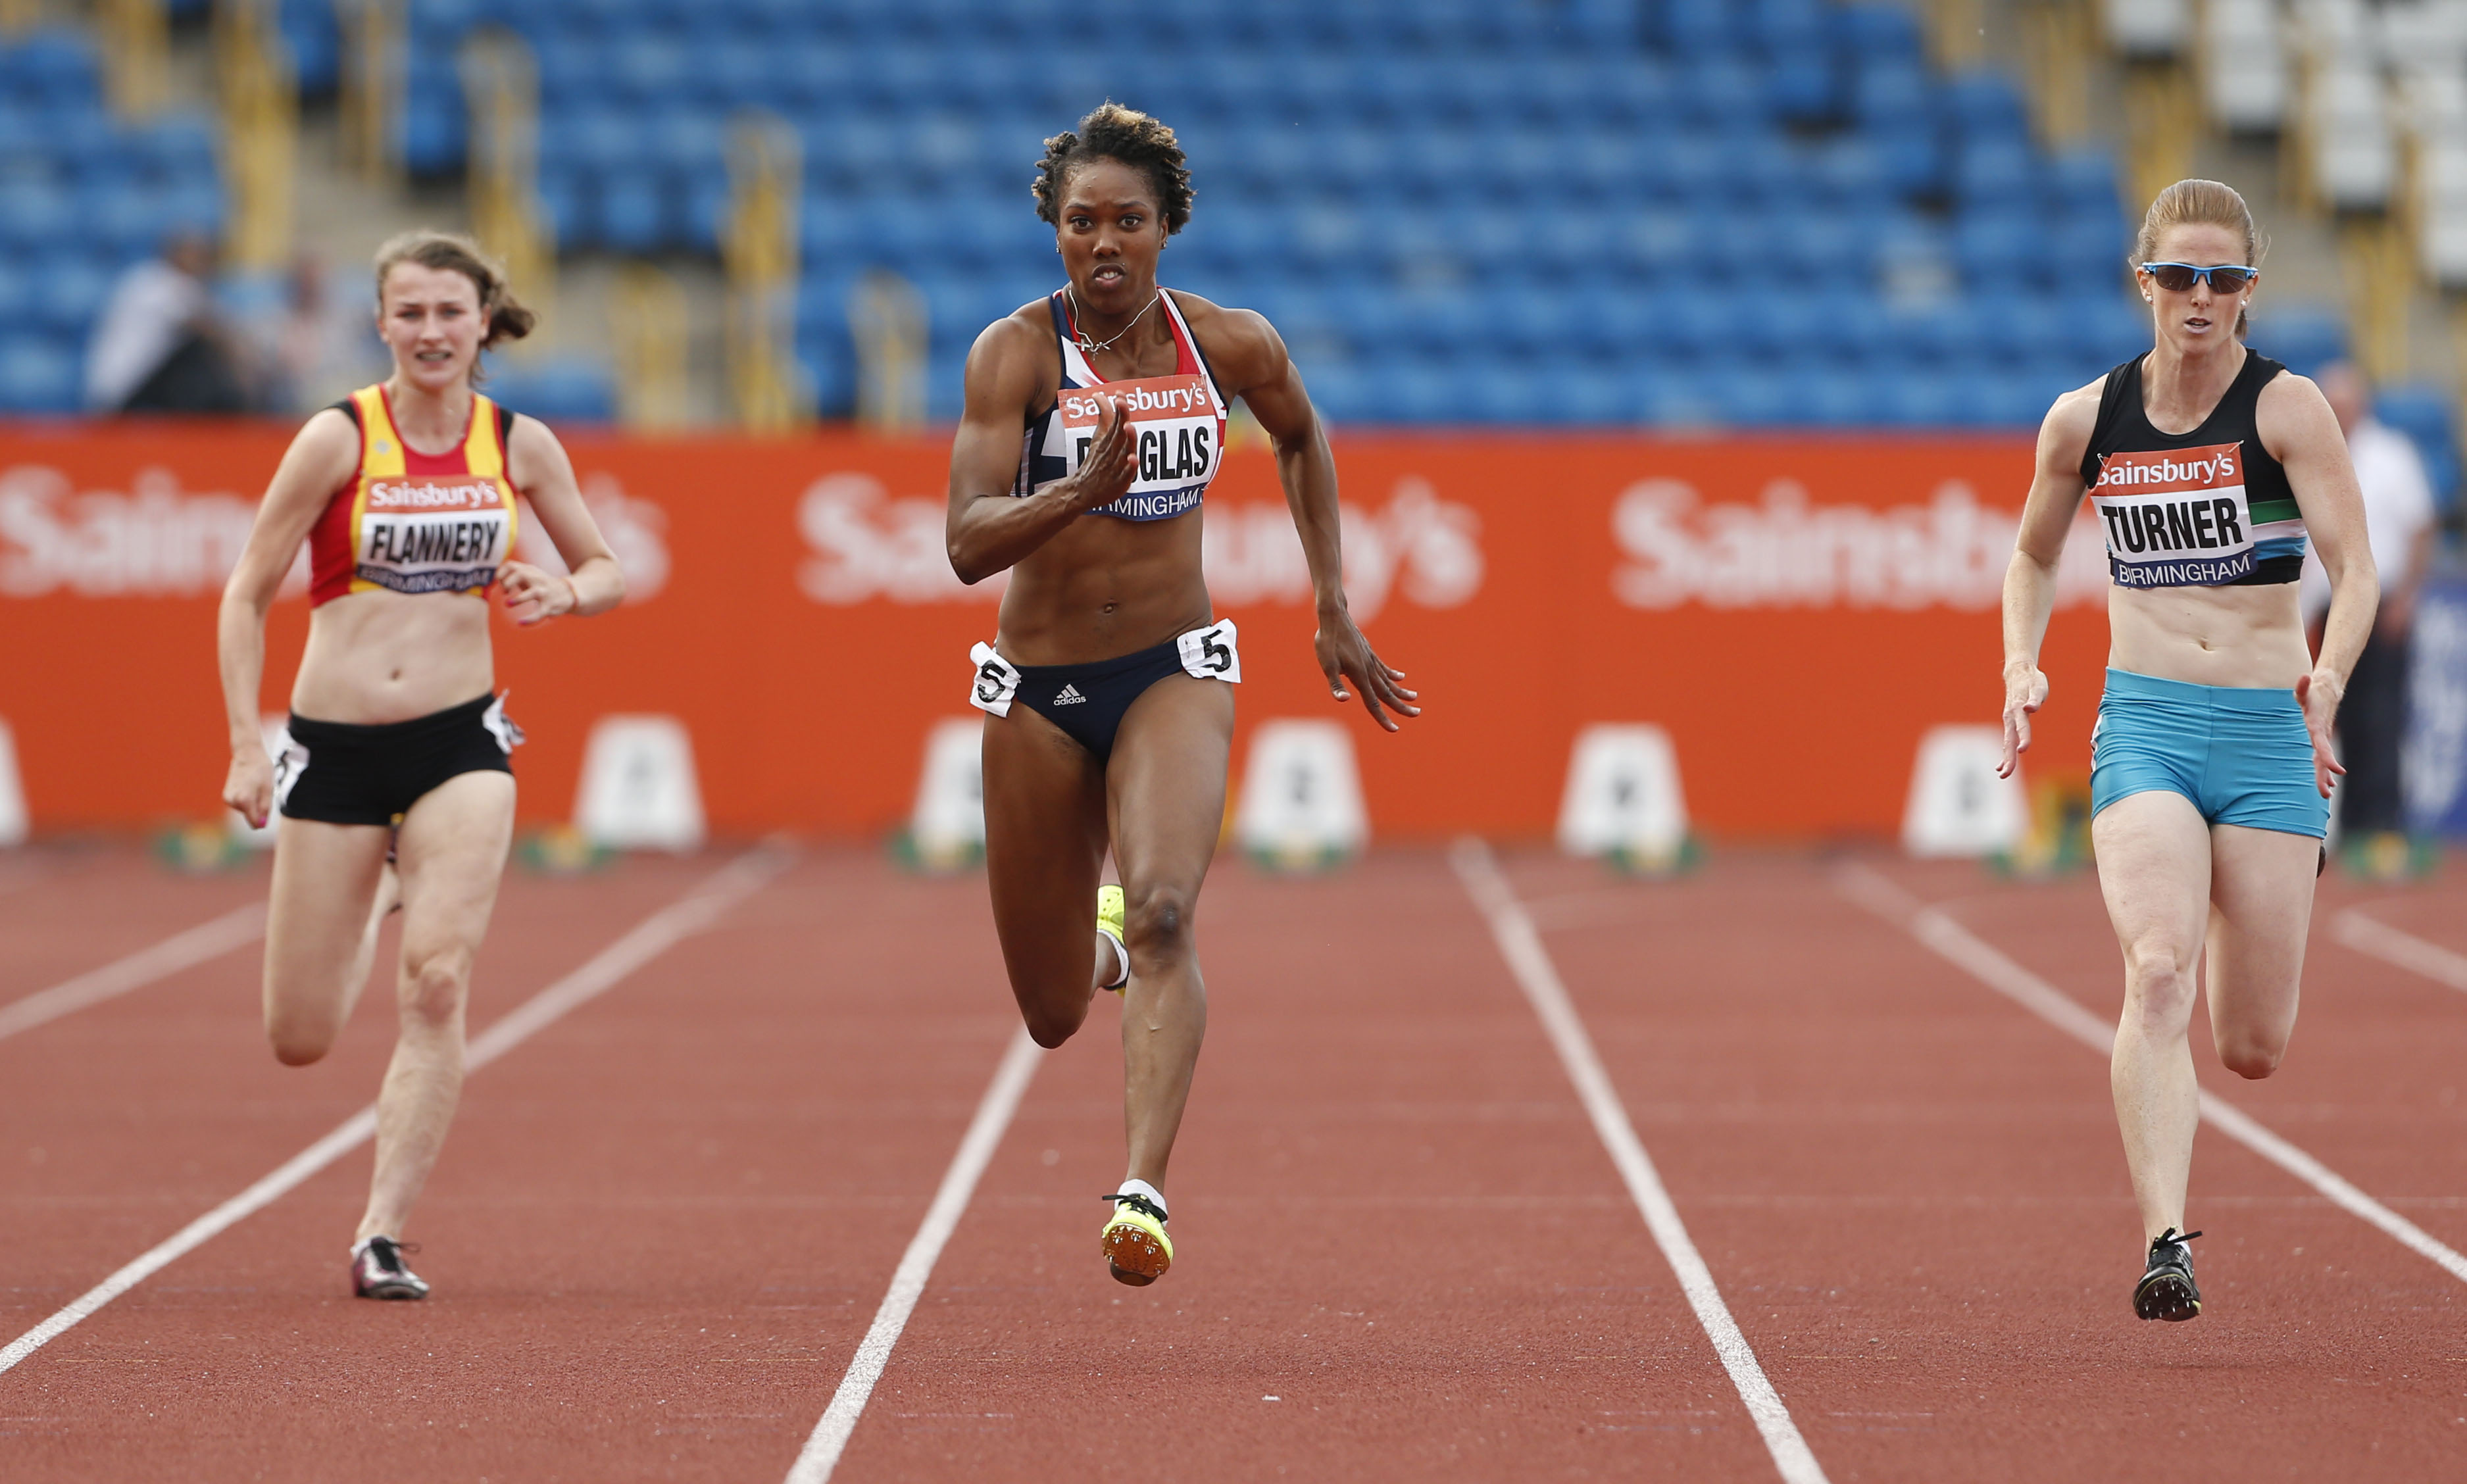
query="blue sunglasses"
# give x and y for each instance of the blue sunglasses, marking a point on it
(2178, 278)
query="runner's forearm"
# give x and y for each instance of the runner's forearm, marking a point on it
(1307, 470)
(2030, 599)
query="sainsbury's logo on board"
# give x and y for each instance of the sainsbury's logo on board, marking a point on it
(1786, 551)
(154, 539)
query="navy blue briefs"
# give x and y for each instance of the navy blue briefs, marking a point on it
(1089, 701)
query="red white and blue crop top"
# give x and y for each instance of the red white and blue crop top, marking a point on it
(1179, 420)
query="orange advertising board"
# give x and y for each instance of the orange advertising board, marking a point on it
(1795, 612)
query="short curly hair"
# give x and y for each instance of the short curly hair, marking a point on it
(1114, 132)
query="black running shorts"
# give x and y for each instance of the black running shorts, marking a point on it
(342, 773)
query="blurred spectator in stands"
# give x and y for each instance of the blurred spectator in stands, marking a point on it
(326, 341)
(158, 346)
(2399, 524)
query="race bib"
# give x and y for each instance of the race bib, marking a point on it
(290, 761)
(1180, 440)
(501, 726)
(997, 681)
(1210, 652)
(2176, 518)
(431, 533)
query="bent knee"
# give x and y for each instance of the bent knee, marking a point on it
(1049, 1028)
(2252, 1058)
(299, 1045)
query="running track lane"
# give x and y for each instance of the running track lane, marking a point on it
(1913, 1192)
(1391, 1216)
(656, 1235)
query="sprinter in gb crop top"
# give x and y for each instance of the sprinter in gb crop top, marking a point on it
(2209, 468)
(397, 745)
(1094, 420)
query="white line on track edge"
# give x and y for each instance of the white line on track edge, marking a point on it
(2391, 945)
(1937, 929)
(1520, 943)
(650, 937)
(207, 940)
(830, 1436)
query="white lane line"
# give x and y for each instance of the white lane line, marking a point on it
(241, 924)
(652, 936)
(830, 1435)
(1520, 943)
(1938, 931)
(2390, 945)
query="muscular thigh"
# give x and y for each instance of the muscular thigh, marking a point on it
(1045, 844)
(2154, 869)
(1165, 786)
(451, 857)
(325, 885)
(2261, 900)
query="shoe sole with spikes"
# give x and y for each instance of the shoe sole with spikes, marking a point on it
(1137, 1251)
(2168, 1293)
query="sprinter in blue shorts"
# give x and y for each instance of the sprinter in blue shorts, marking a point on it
(2210, 767)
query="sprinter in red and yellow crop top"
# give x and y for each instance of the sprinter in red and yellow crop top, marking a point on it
(398, 747)
(411, 521)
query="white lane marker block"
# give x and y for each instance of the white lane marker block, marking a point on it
(639, 791)
(1623, 796)
(946, 829)
(1958, 806)
(276, 728)
(1302, 797)
(13, 793)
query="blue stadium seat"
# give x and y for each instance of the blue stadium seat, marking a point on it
(1994, 171)
(557, 392)
(2423, 413)
(34, 215)
(1983, 104)
(636, 215)
(568, 195)
(1877, 29)
(37, 375)
(74, 287)
(55, 68)
(2305, 338)
(1692, 28)
(18, 288)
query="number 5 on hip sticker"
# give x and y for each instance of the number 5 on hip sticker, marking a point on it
(1211, 654)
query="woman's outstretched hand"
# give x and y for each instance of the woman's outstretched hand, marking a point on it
(2319, 694)
(2024, 692)
(1346, 658)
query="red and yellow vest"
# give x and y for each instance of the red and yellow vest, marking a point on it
(409, 522)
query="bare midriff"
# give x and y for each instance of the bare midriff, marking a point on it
(1105, 587)
(2250, 637)
(379, 657)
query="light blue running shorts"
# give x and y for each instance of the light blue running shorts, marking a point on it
(2240, 753)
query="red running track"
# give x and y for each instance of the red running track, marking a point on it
(665, 1222)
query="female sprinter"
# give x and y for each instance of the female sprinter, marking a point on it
(405, 495)
(2210, 766)
(1108, 687)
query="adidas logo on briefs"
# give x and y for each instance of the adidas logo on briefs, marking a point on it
(1069, 696)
